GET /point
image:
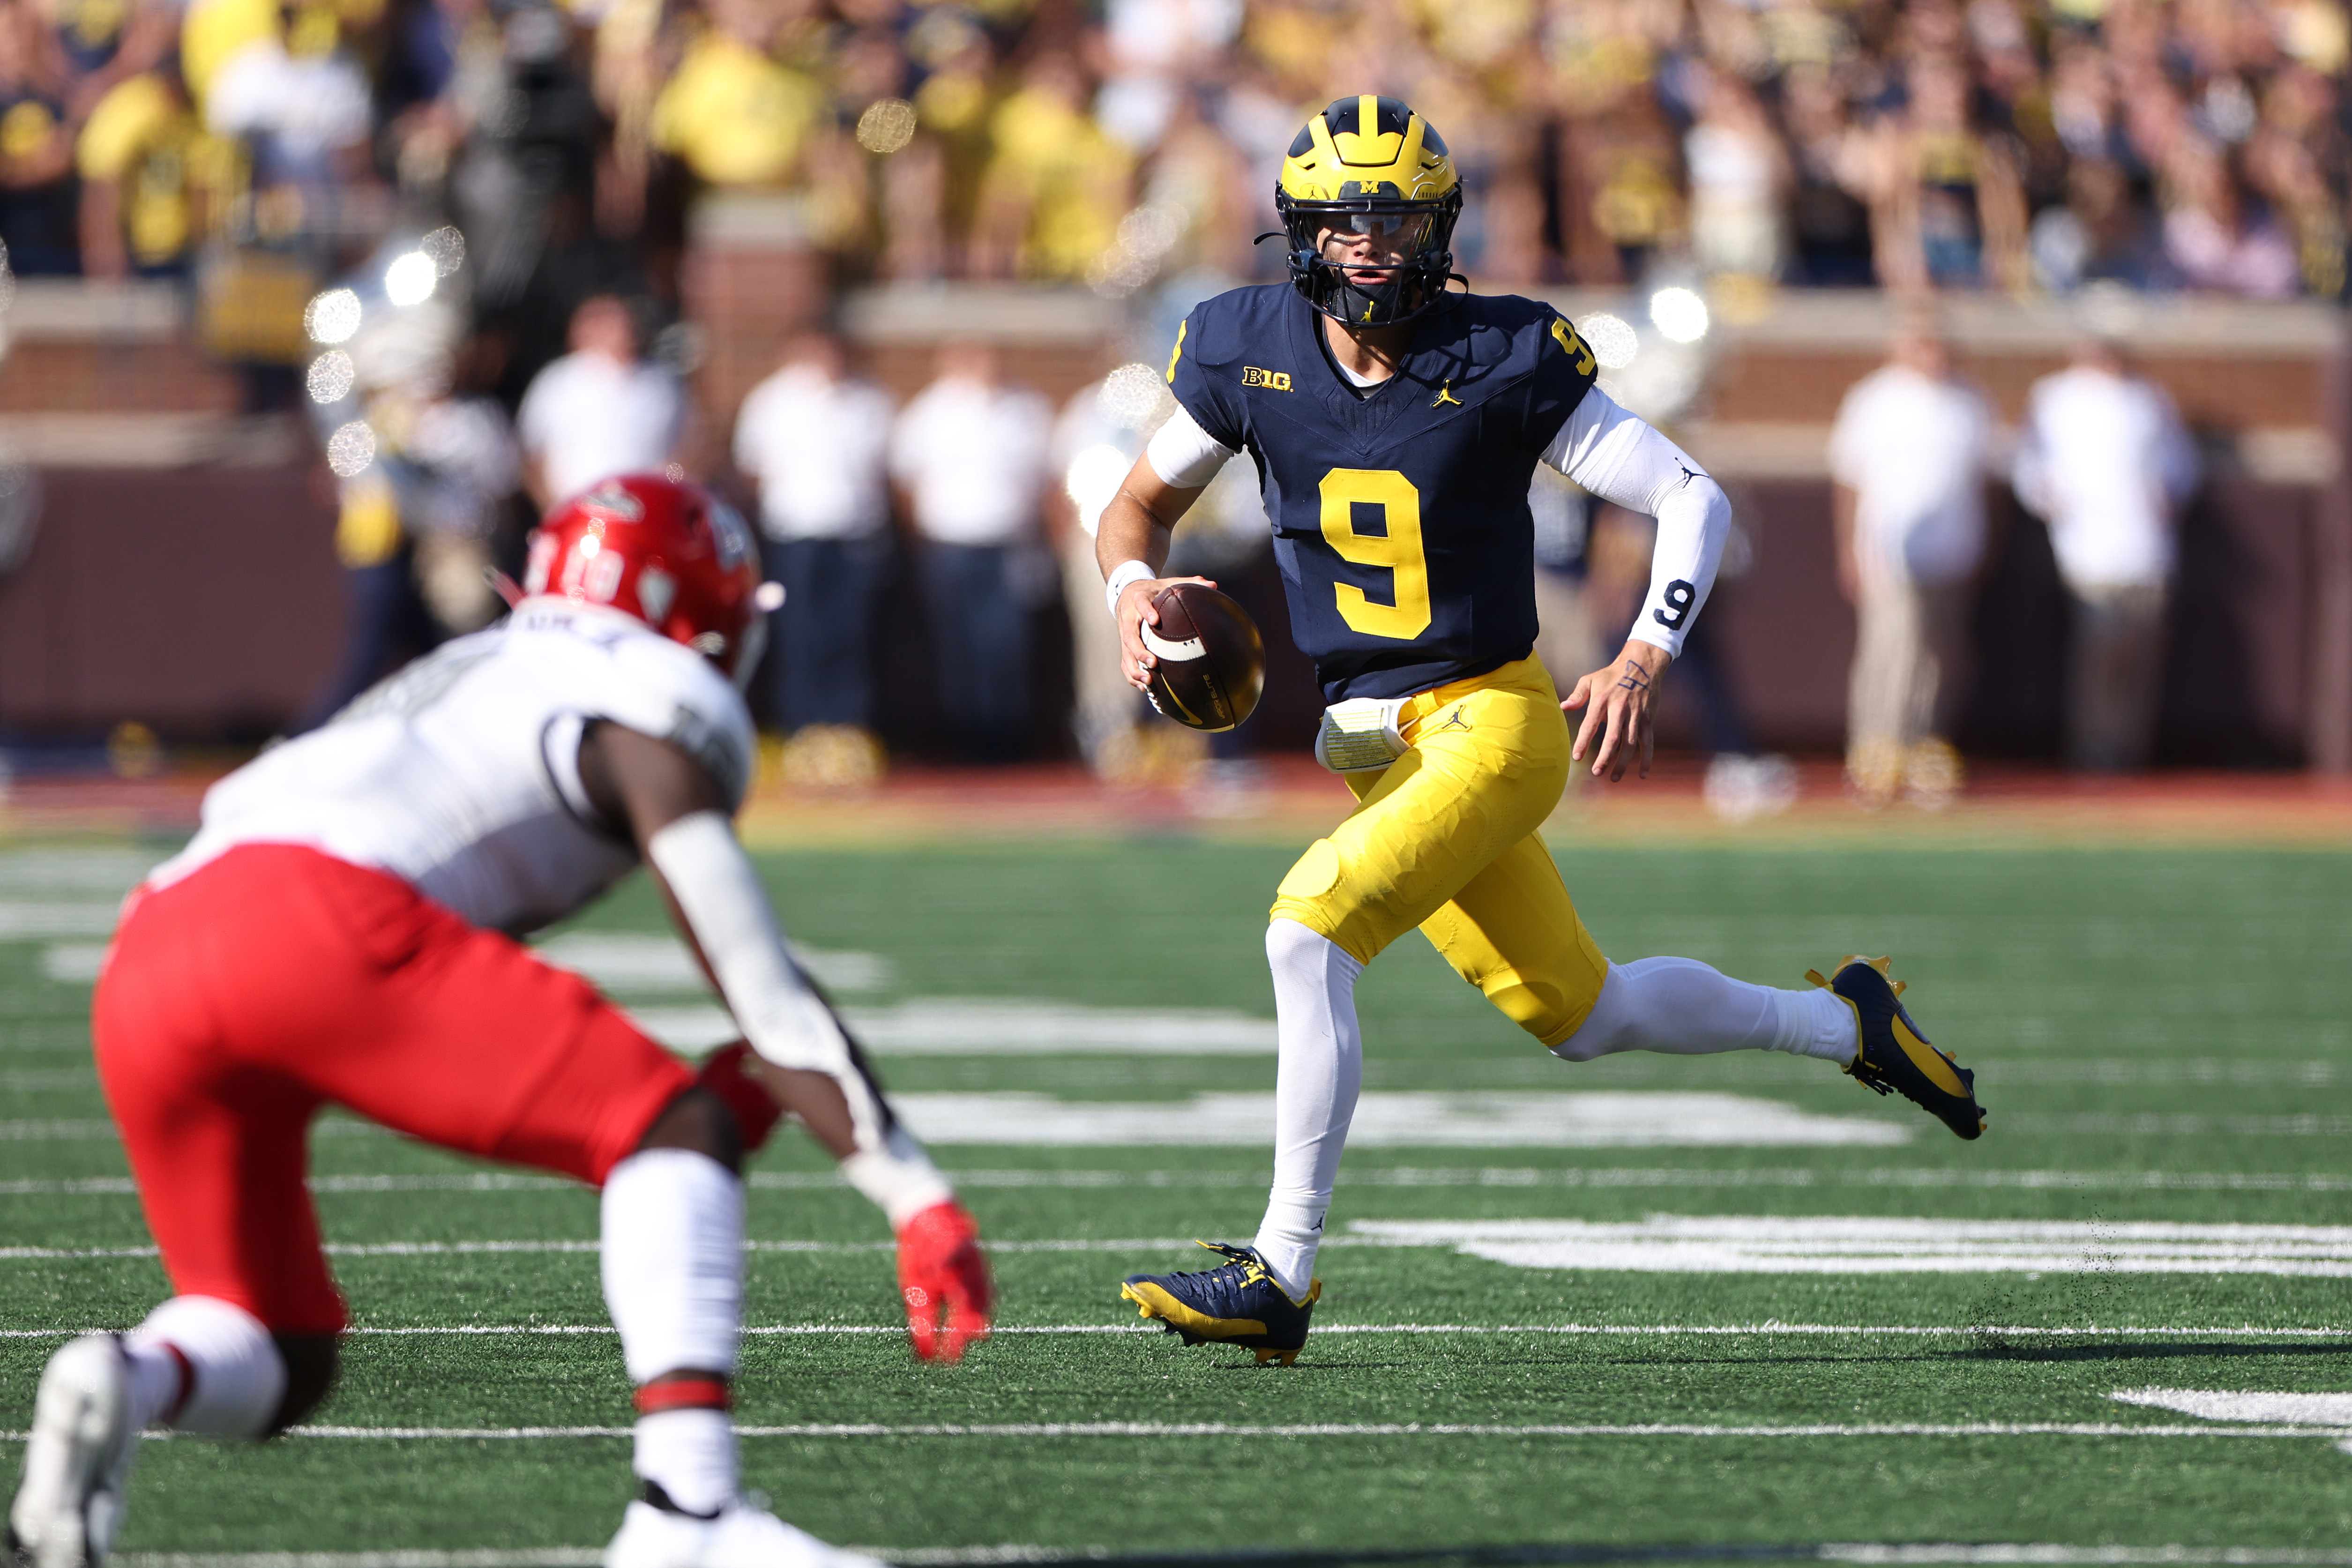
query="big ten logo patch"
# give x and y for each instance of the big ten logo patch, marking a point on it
(1273, 380)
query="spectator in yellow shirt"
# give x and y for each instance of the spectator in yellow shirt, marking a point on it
(152, 178)
(1056, 187)
(733, 113)
(214, 32)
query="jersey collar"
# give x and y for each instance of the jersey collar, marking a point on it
(1431, 361)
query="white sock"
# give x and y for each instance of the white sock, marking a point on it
(1319, 1075)
(1683, 1007)
(673, 1263)
(673, 1269)
(690, 1455)
(212, 1361)
(157, 1381)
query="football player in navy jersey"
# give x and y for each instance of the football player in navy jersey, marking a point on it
(1395, 425)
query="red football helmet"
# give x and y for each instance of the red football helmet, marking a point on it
(670, 554)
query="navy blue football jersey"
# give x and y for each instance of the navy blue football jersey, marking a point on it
(1400, 516)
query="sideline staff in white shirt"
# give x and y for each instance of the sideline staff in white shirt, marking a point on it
(1908, 457)
(974, 455)
(2104, 458)
(1096, 439)
(600, 410)
(817, 441)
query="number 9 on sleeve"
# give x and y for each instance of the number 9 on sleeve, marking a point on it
(1679, 597)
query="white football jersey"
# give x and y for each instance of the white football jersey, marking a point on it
(460, 775)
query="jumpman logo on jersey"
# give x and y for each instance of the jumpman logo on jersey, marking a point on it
(1446, 394)
(1453, 720)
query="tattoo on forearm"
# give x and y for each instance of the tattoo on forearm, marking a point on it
(1635, 679)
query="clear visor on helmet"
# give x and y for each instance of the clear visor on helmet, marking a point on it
(1371, 239)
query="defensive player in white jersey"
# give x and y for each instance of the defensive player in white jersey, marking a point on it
(339, 932)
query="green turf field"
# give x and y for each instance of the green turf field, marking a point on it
(2163, 1040)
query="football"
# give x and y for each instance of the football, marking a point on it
(1212, 662)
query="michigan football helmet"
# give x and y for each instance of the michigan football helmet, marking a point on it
(1370, 167)
(671, 554)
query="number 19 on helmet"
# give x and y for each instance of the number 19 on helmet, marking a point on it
(668, 552)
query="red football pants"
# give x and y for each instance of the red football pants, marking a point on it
(276, 980)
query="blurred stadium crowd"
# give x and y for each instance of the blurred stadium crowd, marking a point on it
(2187, 144)
(521, 183)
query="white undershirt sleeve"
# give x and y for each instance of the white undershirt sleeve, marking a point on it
(1617, 457)
(1184, 455)
(779, 1012)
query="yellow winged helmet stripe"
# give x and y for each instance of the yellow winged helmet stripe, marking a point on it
(1367, 157)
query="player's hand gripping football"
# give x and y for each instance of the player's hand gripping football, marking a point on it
(1135, 612)
(1619, 701)
(943, 1275)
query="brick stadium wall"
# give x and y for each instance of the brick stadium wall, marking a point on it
(138, 377)
(1056, 370)
(747, 302)
(2236, 681)
(1769, 381)
(204, 600)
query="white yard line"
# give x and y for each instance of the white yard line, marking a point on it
(995, 1026)
(1398, 1119)
(1758, 1244)
(1158, 1429)
(523, 1557)
(1629, 1331)
(73, 962)
(2167, 1124)
(82, 870)
(2064, 1557)
(86, 1129)
(2334, 1409)
(1385, 1120)
(1674, 1244)
(565, 1557)
(30, 919)
(658, 961)
(56, 1130)
(1601, 1176)
(48, 1080)
(454, 1248)
(2088, 1556)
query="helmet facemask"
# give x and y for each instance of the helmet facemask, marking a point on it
(753, 643)
(1371, 261)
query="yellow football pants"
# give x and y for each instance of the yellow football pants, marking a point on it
(1445, 839)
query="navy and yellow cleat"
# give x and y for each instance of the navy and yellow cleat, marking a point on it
(1235, 1303)
(1894, 1057)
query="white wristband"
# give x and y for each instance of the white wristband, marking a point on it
(1125, 573)
(898, 1177)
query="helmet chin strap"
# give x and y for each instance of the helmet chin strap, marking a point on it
(1378, 306)
(747, 661)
